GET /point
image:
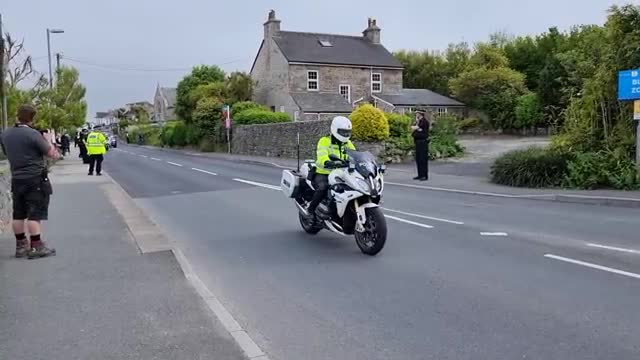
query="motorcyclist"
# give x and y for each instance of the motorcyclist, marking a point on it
(337, 143)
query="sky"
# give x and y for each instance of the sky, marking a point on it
(124, 48)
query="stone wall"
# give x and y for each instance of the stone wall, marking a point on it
(279, 140)
(5, 199)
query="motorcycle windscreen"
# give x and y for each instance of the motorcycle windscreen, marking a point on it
(364, 161)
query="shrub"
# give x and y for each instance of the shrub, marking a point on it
(604, 169)
(245, 105)
(151, 135)
(445, 124)
(445, 146)
(260, 116)
(533, 167)
(399, 125)
(528, 111)
(469, 123)
(369, 124)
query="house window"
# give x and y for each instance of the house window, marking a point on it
(281, 108)
(345, 92)
(296, 116)
(312, 80)
(442, 111)
(376, 82)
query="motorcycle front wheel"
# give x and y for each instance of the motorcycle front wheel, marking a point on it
(372, 239)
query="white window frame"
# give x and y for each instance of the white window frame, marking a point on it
(281, 108)
(348, 98)
(378, 82)
(442, 111)
(316, 80)
(296, 115)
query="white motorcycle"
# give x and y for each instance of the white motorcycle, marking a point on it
(352, 203)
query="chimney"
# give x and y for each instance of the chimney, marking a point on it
(372, 32)
(272, 26)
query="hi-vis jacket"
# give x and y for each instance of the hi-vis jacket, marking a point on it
(95, 143)
(326, 147)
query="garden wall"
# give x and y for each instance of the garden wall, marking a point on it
(5, 199)
(279, 140)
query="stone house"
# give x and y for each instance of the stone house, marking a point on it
(315, 76)
(164, 102)
(147, 106)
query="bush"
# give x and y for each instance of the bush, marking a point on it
(528, 111)
(533, 167)
(260, 116)
(245, 105)
(399, 125)
(604, 169)
(369, 124)
(151, 135)
(445, 146)
(469, 123)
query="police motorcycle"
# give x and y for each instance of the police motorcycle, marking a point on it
(352, 206)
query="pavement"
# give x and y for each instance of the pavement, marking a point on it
(100, 297)
(463, 275)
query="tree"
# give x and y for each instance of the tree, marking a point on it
(239, 87)
(63, 106)
(528, 111)
(19, 65)
(200, 75)
(491, 90)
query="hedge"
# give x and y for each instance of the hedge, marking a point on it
(260, 116)
(369, 124)
(534, 167)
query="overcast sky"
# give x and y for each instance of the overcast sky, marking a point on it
(116, 35)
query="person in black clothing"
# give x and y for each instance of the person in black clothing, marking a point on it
(421, 139)
(83, 146)
(65, 144)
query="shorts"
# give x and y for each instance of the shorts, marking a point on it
(31, 199)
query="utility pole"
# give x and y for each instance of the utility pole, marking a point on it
(3, 90)
(58, 56)
(49, 55)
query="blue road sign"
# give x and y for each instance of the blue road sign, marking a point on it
(629, 85)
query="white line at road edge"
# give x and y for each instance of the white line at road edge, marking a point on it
(242, 338)
(172, 163)
(606, 247)
(593, 266)
(144, 156)
(424, 216)
(156, 159)
(408, 222)
(465, 191)
(266, 186)
(493, 234)
(203, 171)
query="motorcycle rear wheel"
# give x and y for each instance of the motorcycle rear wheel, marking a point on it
(309, 224)
(372, 239)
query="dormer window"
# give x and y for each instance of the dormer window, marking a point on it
(325, 43)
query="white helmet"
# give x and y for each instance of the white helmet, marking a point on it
(341, 128)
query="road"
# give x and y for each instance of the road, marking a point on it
(462, 276)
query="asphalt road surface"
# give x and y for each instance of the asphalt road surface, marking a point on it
(461, 276)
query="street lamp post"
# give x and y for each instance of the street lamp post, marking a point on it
(49, 32)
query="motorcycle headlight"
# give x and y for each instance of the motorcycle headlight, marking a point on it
(362, 186)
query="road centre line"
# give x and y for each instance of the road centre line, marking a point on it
(144, 156)
(204, 171)
(156, 159)
(266, 186)
(175, 164)
(593, 266)
(424, 216)
(614, 248)
(409, 222)
(493, 234)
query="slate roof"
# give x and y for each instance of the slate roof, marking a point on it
(411, 97)
(170, 95)
(102, 114)
(345, 50)
(322, 102)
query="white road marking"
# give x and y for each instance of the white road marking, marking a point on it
(493, 234)
(593, 266)
(408, 222)
(424, 216)
(266, 186)
(464, 191)
(175, 164)
(606, 247)
(144, 156)
(204, 171)
(156, 159)
(279, 166)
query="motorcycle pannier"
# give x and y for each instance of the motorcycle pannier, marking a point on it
(290, 183)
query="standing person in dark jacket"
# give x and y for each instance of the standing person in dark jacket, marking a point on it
(83, 147)
(421, 139)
